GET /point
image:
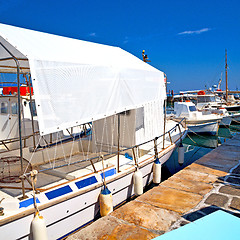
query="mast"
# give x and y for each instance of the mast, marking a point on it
(226, 75)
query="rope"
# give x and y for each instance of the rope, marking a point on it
(104, 125)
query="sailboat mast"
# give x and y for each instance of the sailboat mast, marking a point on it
(226, 75)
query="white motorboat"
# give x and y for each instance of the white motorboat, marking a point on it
(220, 111)
(59, 187)
(209, 103)
(196, 121)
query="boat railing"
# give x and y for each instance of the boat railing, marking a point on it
(159, 142)
(6, 142)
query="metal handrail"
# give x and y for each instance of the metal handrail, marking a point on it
(116, 152)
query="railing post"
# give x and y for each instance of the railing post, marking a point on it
(134, 157)
(155, 147)
(170, 137)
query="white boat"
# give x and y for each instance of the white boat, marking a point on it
(76, 83)
(196, 121)
(220, 111)
(209, 103)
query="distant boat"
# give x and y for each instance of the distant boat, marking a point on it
(196, 121)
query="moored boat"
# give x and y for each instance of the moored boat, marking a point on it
(196, 121)
(76, 83)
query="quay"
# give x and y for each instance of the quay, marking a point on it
(211, 183)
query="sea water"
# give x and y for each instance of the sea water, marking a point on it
(196, 146)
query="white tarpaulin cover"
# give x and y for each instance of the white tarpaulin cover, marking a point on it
(76, 82)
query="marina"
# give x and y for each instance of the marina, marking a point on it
(108, 159)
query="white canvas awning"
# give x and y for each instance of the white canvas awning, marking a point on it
(75, 81)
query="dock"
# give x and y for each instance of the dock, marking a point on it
(211, 183)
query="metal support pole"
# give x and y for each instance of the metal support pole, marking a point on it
(19, 116)
(164, 126)
(118, 157)
(170, 137)
(226, 75)
(134, 157)
(31, 108)
(155, 148)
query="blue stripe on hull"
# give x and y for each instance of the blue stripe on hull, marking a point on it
(109, 173)
(58, 192)
(28, 202)
(86, 182)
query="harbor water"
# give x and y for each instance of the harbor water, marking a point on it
(196, 146)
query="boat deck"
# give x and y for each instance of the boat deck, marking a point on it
(50, 178)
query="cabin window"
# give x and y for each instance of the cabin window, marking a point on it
(32, 106)
(192, 108)
(14, 108)
(4, 107)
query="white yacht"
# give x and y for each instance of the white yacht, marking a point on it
(196, 121)
(54, 187)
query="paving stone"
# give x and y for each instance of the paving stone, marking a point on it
(235, 203)
(196, 176)
(228, 149)
(225, 152)
(232, 142)
(107, 228)
(187, 185)
(237, 136)
(217, 200)
(171, 199)
(206, 169)
(146, 215)
(232, 190)
(221, 164)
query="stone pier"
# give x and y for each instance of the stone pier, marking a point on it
(209, 184)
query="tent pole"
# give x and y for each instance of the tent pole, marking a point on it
(19, 117)
(28, 80)
(118, 161)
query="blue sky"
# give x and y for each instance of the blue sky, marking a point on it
(185, 39)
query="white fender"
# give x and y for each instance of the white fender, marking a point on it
(138, 182)
(157, 171)
(106, 203)
(39, 229)
(181, 154)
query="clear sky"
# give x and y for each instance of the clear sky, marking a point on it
(185, 39)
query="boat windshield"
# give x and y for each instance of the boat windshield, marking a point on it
(206, 99)
(192, 108)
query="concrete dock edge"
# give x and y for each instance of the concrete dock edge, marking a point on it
(209, 184)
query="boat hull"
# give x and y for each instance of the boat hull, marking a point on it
(226, 121)
(233, 108)
(235, 118)
(204, 128)
(70, 212)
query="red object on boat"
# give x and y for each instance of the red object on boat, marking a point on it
(24, 91)
(201, 92)
(219, 90)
